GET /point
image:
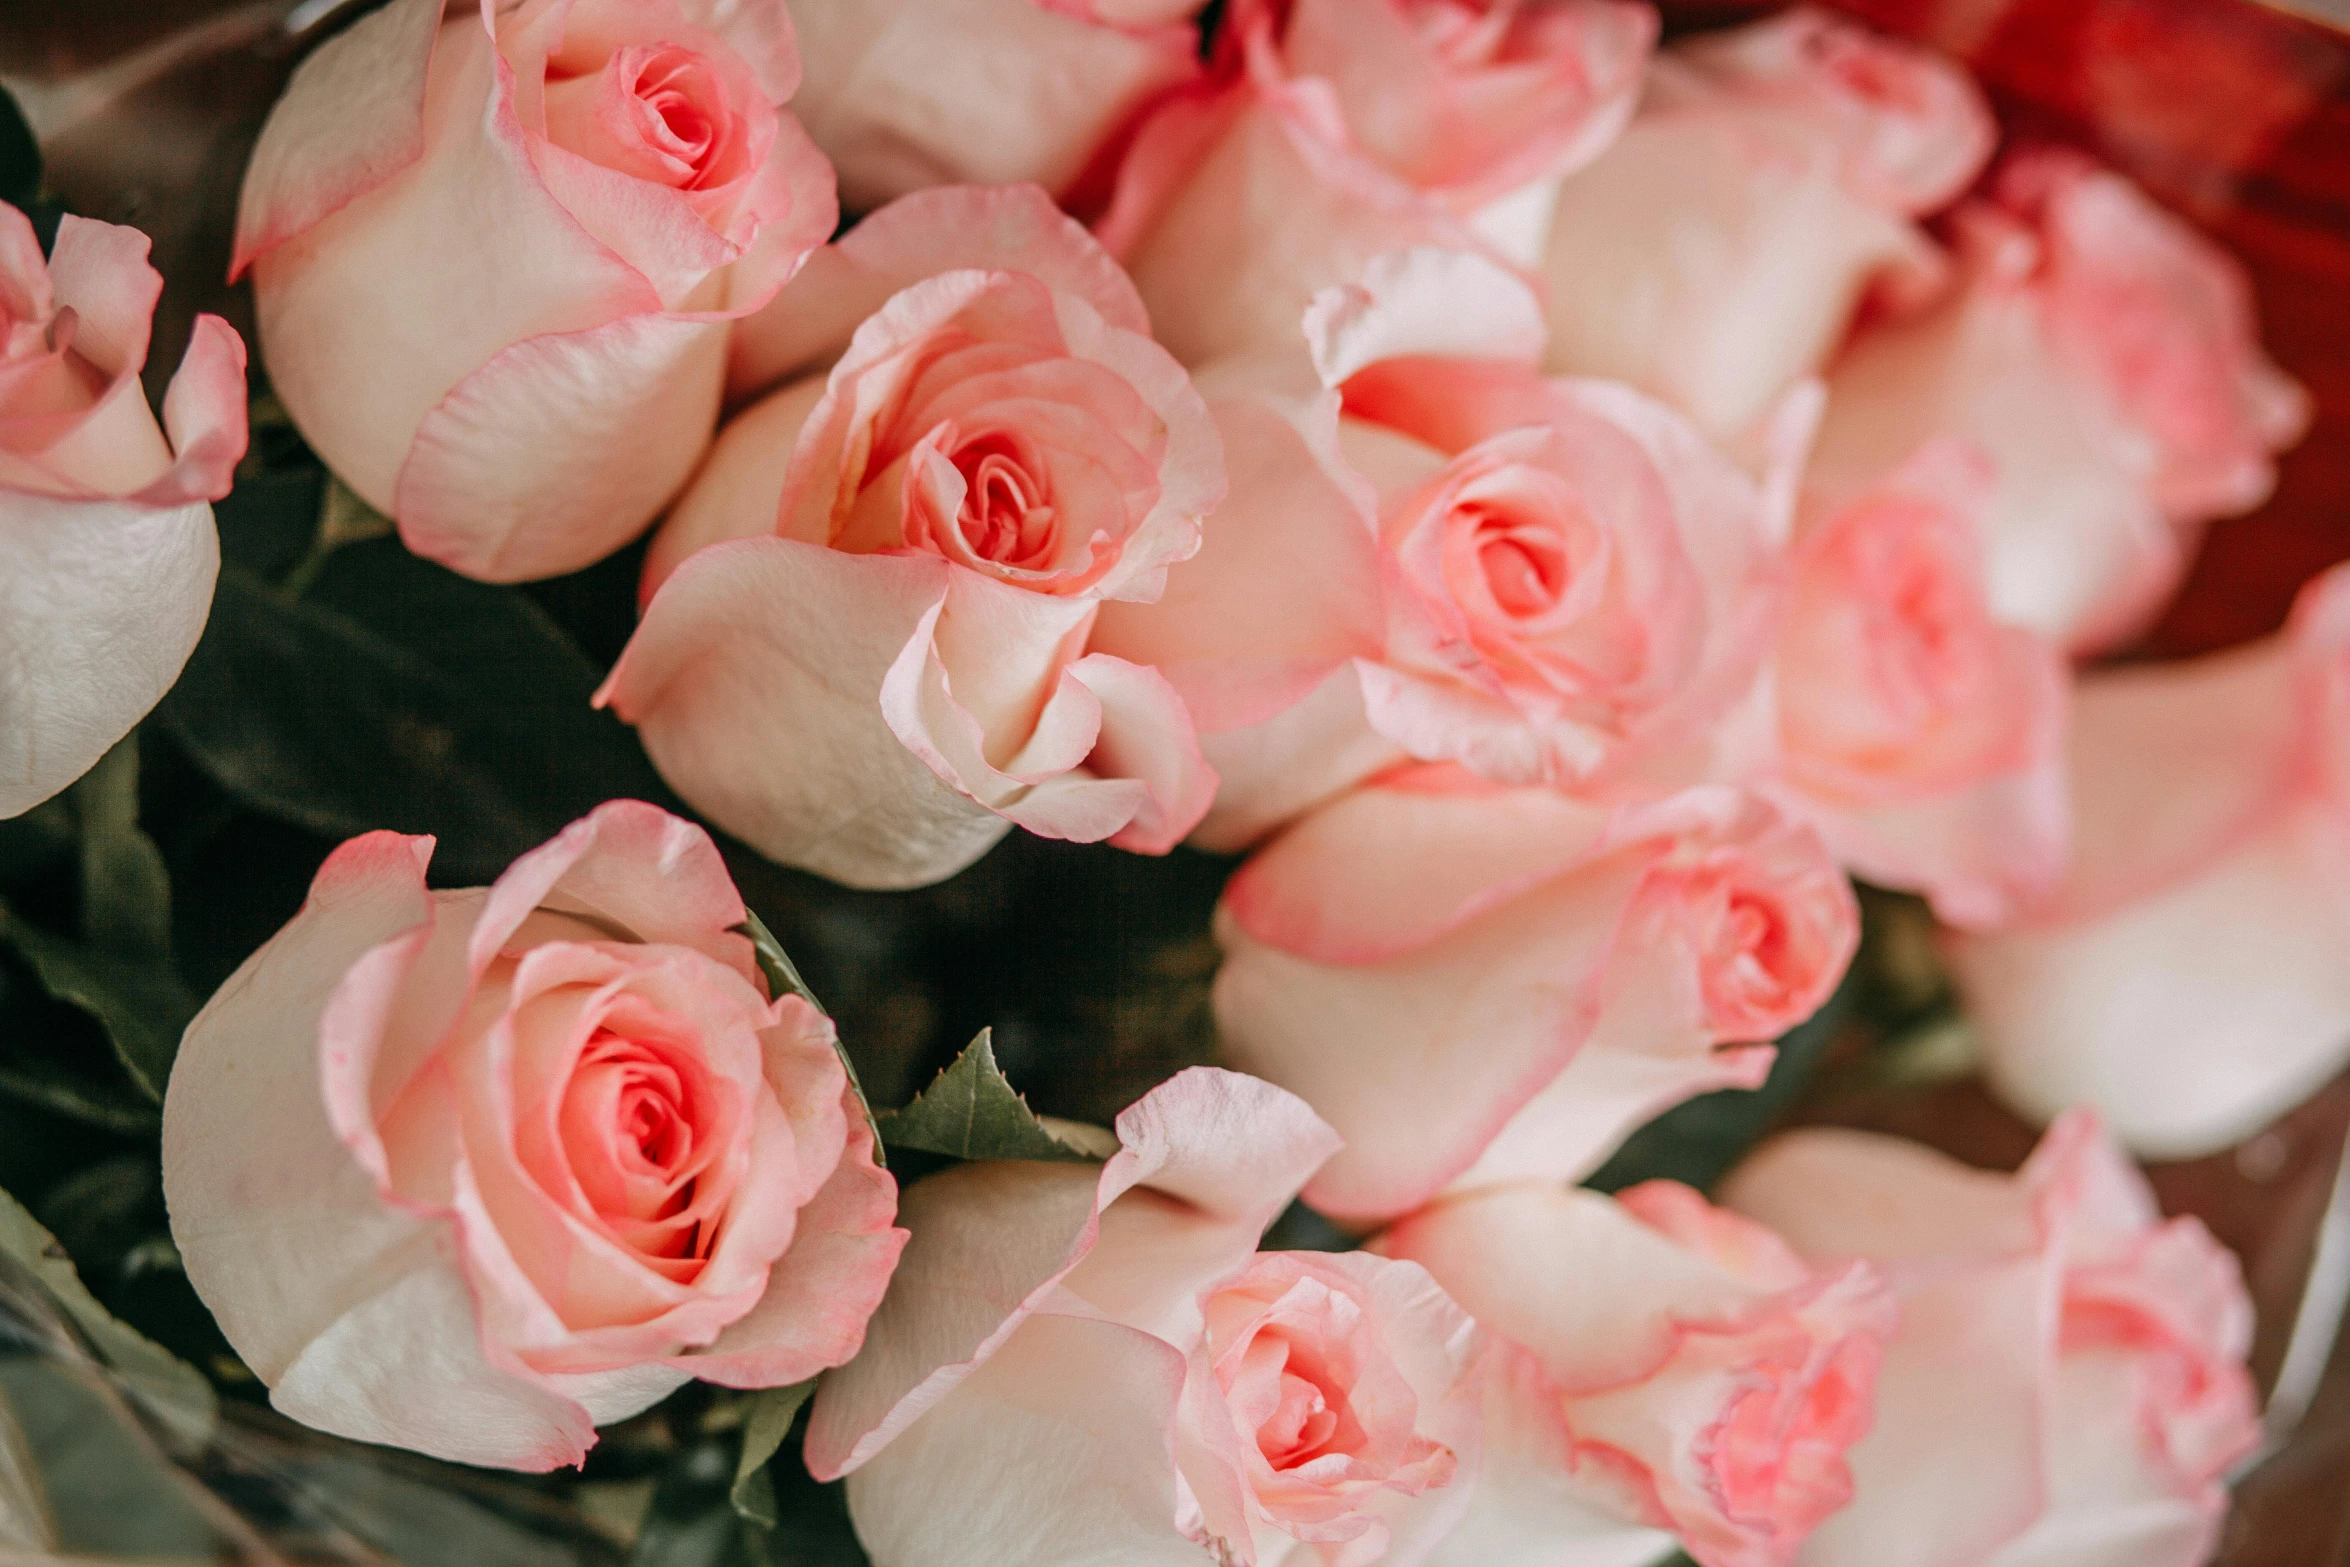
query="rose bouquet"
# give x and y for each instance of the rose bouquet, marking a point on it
(1482, 641)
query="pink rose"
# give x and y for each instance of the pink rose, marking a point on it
(493, 257)
(903, 94)
(1093, 1363)
(1716, 253)
(475, 1172)
(1477, 984)
(107, 554)
(2191, 976)
(865, 644)
(1660, 1365)
(1922, 737)
(2067, 1388)
(2105, 356)
(1545, 580)
(1338, 130)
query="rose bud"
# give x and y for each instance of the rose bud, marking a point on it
(475, 1172)
(1716, 253)
(1476, 984)
(1093, 1363)
(904, 94)
(2191, 977)
(1662, 1371)
(1545, 580)
(1334, 131)
(107, 554)
(493, 257)
(864, 646)
(2105, 357)
(1922, 738)
(2067, 1387)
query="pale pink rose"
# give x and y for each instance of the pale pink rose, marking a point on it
(1334, 131)
(2106, 358)
(1769, 186)
(1663, 1371)
(2191, 976)
(493, 258)
(904, 94)
(1093, 1363)
(1477, 984)
(1922, 737)
(107, 554)
(2067, 1388)
(864, 643)
(475, 1172)
(1546, 580)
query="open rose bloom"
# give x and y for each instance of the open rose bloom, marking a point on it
(1662, 1370)
(493, 256)
(107, 551)
(1094, 1363)
(906, 94)
(1768, 188)
(475, 1172)
(864, 646)
(1920, 734)
(1334, 131)
(2067, 1385)
(2191, 976)
(2105, 358)
(1545, 580)
(1477, 984)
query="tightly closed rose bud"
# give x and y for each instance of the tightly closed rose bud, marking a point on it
(2191, 976)
(2105, 357)
(2067, 1388)
(493, 258)
(107, 553)
(1662, 1369)
(1545, 580)
(1476, 984)
(864, 649)
(1339, 130)
(1716, 253)
(1922, 737)
(904, 94)
(1089, 1364)
(475, 1172)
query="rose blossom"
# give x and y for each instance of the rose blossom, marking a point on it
(1923, 738)
(474, 1172)
(1660, 1365)
(864, 646)
(1337, 130)
(1476, 984)
(2068, 1384)
(1716, 253)
(1087, 1363)
(2105, 357)
(903, 94)
(493, 257)
(107, 554)
(2191, 976)
(1545, 580)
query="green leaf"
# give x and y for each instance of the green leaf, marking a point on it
(765, 1425)
(783, 976)
(399, 695)
(141, 1005)
(174, 1393)
(126, 892)
(970, 1111)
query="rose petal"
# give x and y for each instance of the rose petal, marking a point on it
(993, 1239)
